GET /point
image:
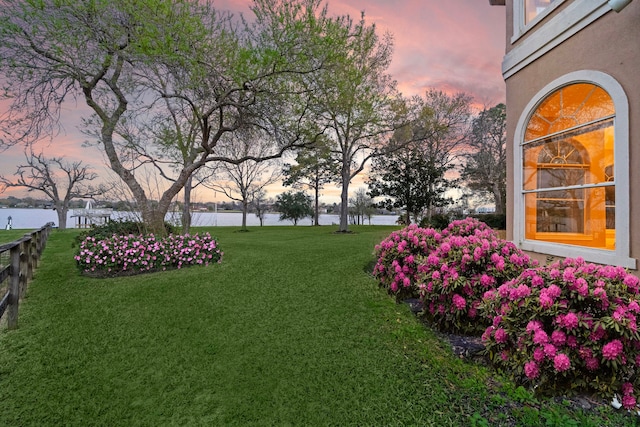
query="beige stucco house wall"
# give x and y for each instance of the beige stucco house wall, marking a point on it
(568, 42)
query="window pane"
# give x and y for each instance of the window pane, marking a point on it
(569, 107)
(533, 8)
(575, 217)
(560, 211)
(577, 157)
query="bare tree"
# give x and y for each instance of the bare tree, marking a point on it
(440, 133)
(260, 204)
(361, 206)
(61, 181)
(417, 175)
(245, 180)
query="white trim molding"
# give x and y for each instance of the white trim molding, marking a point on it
(519, 25)
(618, 5)
(569, 21)
(620, 256)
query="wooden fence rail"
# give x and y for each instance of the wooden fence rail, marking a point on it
(23, 258)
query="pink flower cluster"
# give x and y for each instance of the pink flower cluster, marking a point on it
(400, 257)
(629, 400)
(468, 227)
(146, 253)
(573, 321)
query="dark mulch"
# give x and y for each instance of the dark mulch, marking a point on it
(467, 347)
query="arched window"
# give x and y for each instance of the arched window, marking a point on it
(568, 145)
(571, 169)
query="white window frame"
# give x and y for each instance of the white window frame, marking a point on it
(520, 26)
(620, 256)
(577, 15)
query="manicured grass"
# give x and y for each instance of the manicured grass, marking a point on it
(7, 236)
(290, 329)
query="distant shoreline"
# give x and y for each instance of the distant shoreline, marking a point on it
(33, 218)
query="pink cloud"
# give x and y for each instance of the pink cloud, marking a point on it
(454, 46)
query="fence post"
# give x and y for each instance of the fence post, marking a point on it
(37, 251)
(33, 251)
(25, 258)
(14, 287)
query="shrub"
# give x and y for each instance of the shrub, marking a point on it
(132, 254)
(569, 325)
(437, 221)
(459, 272)
(468, 227)
(402, 255)
(398, 258)
(493, 220)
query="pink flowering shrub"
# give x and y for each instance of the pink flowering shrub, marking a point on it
(569, 325)
(468, 227)
(459, 272)
(132, 254)
(399, 257)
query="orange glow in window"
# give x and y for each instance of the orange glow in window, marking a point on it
(568, 180)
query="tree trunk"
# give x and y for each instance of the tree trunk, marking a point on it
(344, 199)
(153, 216)
(245, 208)
(62, 216)
(497, 195)
(316, 218)
(186, 208)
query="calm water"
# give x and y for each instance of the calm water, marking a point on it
(36, 218)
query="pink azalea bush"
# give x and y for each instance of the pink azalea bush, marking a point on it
(399, 259)
(468, 227)
(133, 254)
(569, 325)
(459, 272)
(401, 256)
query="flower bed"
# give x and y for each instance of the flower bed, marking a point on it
(131, 254)
(568, 326)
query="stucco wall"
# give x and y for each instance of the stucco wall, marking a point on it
(610, 45)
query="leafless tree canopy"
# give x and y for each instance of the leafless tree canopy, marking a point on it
(244, 181)
(60, 180)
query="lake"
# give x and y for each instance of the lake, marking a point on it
(36, 218)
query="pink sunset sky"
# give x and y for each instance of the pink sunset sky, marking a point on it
(454, 46)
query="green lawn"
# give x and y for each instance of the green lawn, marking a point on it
(290, 329)
(7, 236)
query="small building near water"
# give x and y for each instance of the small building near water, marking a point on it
(91, 216)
